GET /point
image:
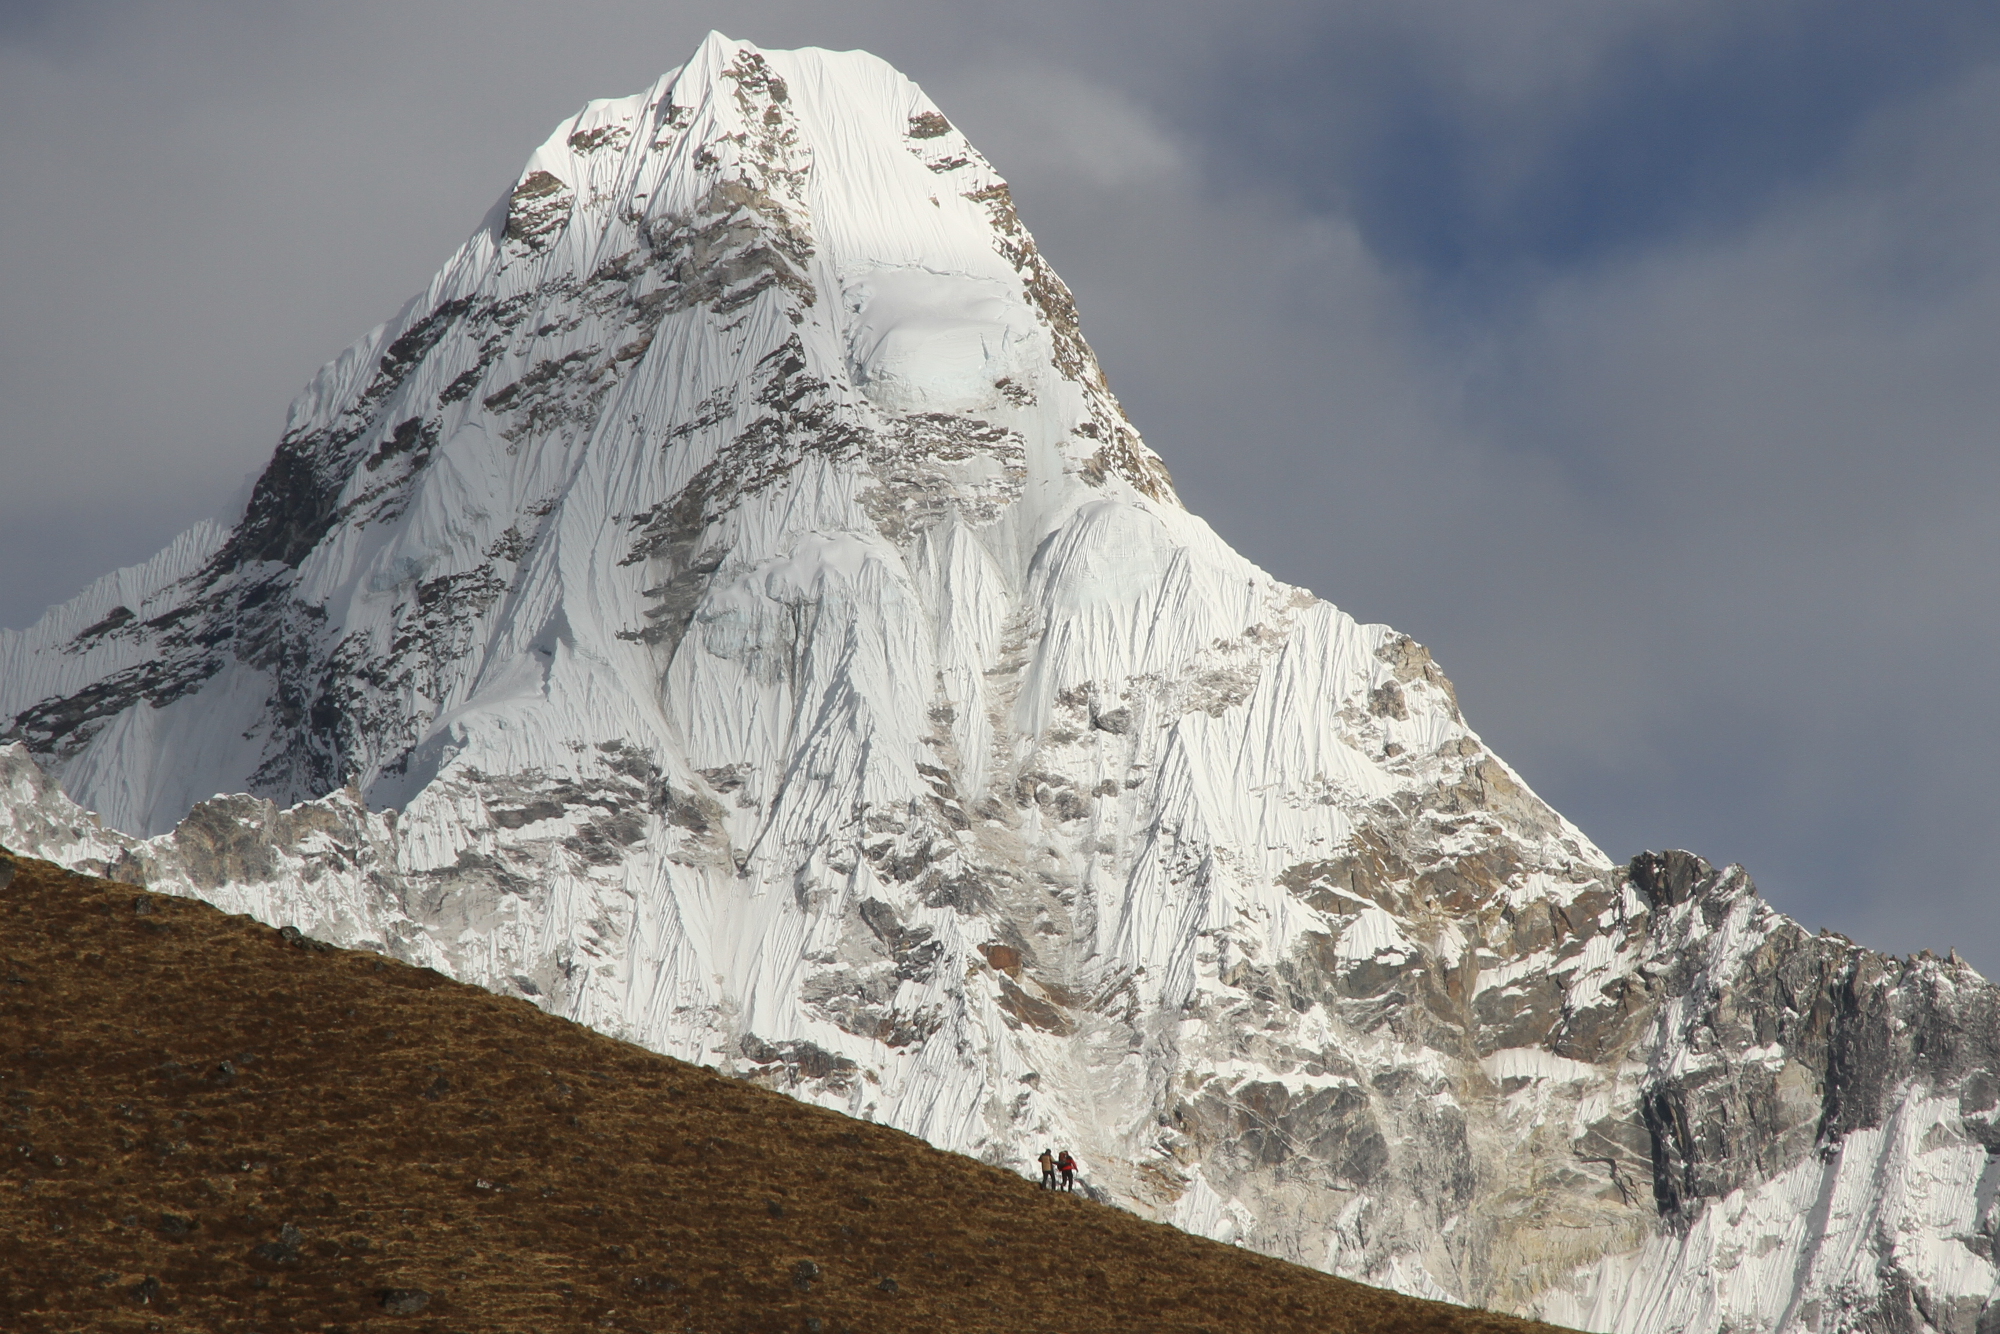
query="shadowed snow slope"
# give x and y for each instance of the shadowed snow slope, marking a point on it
(730, 609)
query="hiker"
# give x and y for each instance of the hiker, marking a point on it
(1048, 1162)
(1067, 1166)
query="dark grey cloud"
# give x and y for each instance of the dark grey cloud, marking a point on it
(1469, 140)
(1636, 357)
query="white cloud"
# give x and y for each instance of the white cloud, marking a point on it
(1054, 124)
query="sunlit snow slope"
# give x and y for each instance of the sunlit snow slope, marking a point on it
(729, 608)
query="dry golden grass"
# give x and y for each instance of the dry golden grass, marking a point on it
(209, 1127)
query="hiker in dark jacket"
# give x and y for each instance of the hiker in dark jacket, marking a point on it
(1048, 1162)
(1067, 1166)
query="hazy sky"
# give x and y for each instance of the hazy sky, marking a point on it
(1638, 357)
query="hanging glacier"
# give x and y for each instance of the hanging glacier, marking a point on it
(729, 608)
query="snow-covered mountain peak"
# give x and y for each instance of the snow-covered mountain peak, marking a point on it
(855, 318)
(729, 608)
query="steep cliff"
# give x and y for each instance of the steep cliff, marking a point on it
(730, 609)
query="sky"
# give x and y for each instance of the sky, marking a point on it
(1637, 356)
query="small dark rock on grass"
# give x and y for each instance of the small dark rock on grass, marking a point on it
(403, 1301)
(284, 1250)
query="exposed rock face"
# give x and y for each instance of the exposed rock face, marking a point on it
(730, 609)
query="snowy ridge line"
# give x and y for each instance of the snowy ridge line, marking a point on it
(99, 623)
(730, 609)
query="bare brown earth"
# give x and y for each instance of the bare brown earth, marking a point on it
(210, 1125)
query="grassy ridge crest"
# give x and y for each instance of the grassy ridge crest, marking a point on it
(211, 1125)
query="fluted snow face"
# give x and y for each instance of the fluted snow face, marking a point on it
(729, 608)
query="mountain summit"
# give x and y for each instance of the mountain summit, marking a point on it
(730, 609)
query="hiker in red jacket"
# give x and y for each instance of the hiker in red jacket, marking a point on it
(1067, 1166)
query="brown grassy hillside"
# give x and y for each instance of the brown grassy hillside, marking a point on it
(208, 1125)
